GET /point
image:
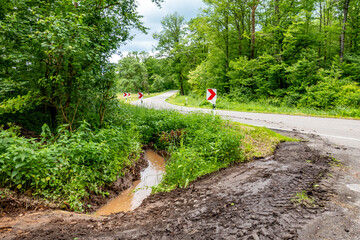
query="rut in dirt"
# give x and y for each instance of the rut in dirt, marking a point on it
(256, 200)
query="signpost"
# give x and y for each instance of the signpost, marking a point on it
(129, 95)
(211, 96)
(125, 96)
(140, 96)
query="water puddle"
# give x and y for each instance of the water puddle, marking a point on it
(131, 198)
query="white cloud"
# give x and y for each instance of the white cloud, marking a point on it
(152, 19)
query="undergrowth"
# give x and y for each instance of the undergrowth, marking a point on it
(67, 166)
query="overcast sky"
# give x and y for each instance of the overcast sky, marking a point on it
(152, 19)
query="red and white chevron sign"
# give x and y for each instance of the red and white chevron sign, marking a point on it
(211, 95)
(140, 95)
(125, 94)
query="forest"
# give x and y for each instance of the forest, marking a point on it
(296, 54)
(63, 133)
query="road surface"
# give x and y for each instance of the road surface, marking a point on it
(342, 132)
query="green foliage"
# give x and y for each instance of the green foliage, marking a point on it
(303, 198)
(132, 75)
(66, 166)
(171, 44)
(159, 83)
(206, 150)
(58, 51)
(19, 103)
(281, 61)
(331, 92)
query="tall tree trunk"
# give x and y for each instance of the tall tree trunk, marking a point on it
(320, 30)
(253, 9)
(325, 33)
(181, 84)
(227, 87)
(342, 37)
(278, 48)
(53, 116)
(240, 36)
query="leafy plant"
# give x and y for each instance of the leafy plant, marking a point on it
(303, 198)
(66, 166)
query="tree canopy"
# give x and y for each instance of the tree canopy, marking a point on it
(54, 56)
(288, 52)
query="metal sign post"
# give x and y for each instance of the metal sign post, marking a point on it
(211, 96)
(140, 96)
(125, 96)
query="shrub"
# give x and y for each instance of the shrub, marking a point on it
(68, 165)
(331, 92)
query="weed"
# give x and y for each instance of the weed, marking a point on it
(336, 163)
(303, 198)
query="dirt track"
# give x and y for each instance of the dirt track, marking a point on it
(255, 200)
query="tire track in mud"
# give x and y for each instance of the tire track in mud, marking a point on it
(247, 201)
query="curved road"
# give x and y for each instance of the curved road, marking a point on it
(342, 132)
(339, 138)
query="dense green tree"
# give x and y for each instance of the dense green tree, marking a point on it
(275, 49)
(132, 74)
(54, 54)
(170, 44)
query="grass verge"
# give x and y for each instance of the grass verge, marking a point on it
(263, 107)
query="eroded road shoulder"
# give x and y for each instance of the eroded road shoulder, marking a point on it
(271, 198)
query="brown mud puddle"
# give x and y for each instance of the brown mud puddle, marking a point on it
(132, 198)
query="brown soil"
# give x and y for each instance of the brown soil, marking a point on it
(14, 204)
(256, 200)
(25, 132)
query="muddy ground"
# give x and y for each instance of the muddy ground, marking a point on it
(269, 198)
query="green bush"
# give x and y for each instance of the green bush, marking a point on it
(66, 166)
(331, 92)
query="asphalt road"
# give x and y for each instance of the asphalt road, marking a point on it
(342, 132)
